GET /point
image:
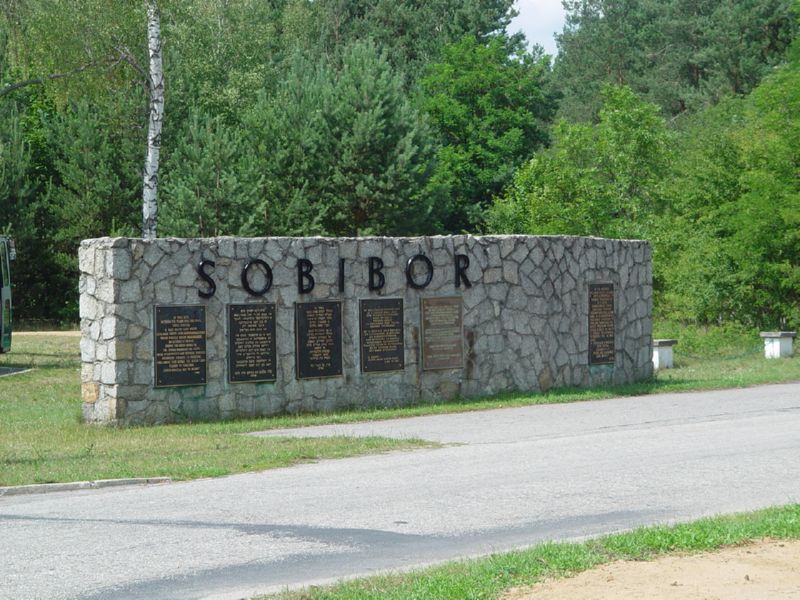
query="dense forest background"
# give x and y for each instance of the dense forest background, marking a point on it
(672, 120)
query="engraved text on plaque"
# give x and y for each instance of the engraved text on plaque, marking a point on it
(601, 324)
(251, 343)
(180, 345)
(318, 339)
(381, 333)
(442, 333)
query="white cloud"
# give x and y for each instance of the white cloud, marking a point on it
(539, 20)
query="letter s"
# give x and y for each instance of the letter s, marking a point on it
(201, 271)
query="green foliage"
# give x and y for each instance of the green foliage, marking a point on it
(729, 340)
(734, 232)
(603, 179)
(412, 33)
(94, 193)
(485, 101)
(218, 57)
(15, 162)
(382, 148)
(18, 209)
(211, 185)
(766, 239)
(100, 44)
(287, 133)
(23, 212)
(343, 150)
(680, 54)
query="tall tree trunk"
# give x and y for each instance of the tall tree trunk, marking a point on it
(156, 89)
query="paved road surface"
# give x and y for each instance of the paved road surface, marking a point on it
(506, 478)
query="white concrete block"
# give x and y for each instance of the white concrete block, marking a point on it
(662, 353)
(778, 344)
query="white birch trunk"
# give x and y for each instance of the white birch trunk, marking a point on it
(156, 88)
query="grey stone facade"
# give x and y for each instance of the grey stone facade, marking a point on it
(525, 319)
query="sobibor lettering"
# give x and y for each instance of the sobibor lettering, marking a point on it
(419, 273)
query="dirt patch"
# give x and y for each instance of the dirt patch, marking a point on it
(766, 570)
(48, 333)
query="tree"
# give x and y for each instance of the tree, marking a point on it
(383, 150)
(212, 184)
(155, 89)
(602, 42)
(604, 179)
(412, 33)
(681, 54)
(697, 275)
(222, 54)
(92, 191)
(343, 151)
(24, 171)
(735, 229)
(486, 103)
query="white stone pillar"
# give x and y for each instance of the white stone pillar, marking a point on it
(778, 344)
(662, 353)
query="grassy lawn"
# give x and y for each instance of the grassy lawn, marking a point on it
(488, 577)
(42, 439)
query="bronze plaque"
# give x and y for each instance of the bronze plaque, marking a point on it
(180, 345)
(381, 332)
(251, 343)
(318, 339)
(442, 333)
(601, 324)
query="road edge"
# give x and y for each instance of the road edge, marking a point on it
(45, 488)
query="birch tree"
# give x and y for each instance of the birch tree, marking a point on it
(155, 85)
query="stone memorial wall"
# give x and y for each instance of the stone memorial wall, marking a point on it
(188, 329)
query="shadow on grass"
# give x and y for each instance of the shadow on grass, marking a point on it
(40, 360)
(8, 370)
(573, 393)
(629, 389)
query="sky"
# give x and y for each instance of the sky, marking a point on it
(539, 20)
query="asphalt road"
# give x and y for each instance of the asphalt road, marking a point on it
(506, 478)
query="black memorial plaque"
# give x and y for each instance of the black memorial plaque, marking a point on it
(251, 343)
(442, 333)
(318, 339)
(601, 324)
(180, 345)
(381, 332)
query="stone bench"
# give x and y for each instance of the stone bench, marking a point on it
(778, 344)
(662, 353)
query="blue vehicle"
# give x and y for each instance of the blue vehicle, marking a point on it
(7, 256)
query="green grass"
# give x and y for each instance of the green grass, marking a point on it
(42, 439)
(488, 577)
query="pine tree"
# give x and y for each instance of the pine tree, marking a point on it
(343, 152)
(211, 185)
